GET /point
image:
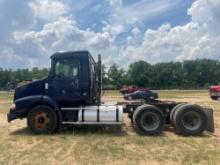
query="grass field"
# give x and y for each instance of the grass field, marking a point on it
(95, 145)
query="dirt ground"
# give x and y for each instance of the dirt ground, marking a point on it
(105, 145)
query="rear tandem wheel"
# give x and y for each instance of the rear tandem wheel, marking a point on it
(189, 119)
(148, 120)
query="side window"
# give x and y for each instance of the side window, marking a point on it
(67, 68)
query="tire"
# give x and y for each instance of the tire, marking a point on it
(148, 120)
(189, 120)
(42, 120)
(214, 97)
(173, 111)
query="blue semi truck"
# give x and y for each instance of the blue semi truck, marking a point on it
(71, 95)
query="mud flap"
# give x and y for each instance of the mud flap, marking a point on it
(210, 120)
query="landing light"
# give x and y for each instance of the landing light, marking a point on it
(13, 106)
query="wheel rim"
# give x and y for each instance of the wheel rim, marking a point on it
(150, 121)
(191, 121)
(41, 120)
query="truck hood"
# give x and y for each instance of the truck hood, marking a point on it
(30, 89)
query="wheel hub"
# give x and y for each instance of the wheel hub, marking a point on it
(191, 120)
(41, 120)
(150, 121)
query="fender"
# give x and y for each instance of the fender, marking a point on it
(24, 104)
(22, 107)
(48, 100)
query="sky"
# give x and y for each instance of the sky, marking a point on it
(122, 31)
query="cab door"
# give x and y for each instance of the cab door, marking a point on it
(65, 85)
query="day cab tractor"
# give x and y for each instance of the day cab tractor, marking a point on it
(71, 95)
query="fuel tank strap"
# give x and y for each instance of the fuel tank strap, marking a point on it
(83, 115)
(117, 115)
(98, 115)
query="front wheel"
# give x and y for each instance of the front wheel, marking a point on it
(42, 120)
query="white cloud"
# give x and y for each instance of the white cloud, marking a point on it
(199, 38)
(135, 31)
(64, 35)
(142, 10)
(15, 15)
(31, 33)
(206, 13)
(48, 9)
(114, 30)
(115, 3)
(9, 56)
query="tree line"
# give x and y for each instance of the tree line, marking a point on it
(188, 74)
(9, 78)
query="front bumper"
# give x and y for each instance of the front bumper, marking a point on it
(12, 116)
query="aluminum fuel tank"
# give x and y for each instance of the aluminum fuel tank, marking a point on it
(102, 113)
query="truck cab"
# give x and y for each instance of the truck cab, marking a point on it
(73, 81)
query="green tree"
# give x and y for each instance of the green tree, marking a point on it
(140, 73)
(115, 76)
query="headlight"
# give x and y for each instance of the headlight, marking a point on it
(13, 106)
